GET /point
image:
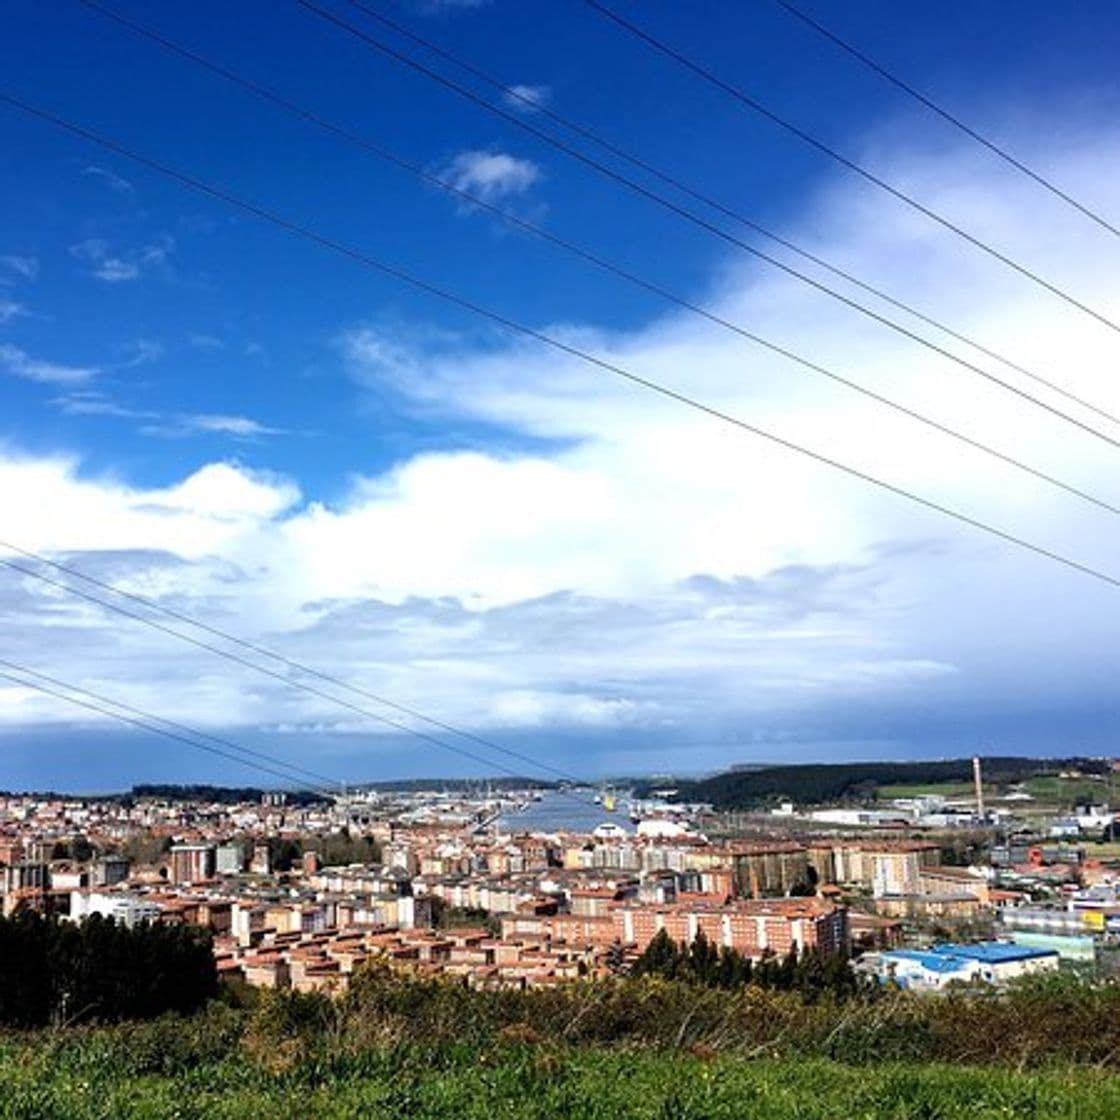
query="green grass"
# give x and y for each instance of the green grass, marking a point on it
(1066, 792)
(1048, 790)
(649, 1048)
(545, 1081)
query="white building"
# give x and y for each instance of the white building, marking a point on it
(126, 908)
(229, 859)
(987, 962)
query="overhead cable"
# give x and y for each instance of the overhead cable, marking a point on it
(140, 719)
(533, 105)
(946, 115)
(283, 678)
(427, 176)
(467, 304)
(645, 192)
(896, 192)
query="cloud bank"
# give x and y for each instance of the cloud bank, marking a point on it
(649, 586)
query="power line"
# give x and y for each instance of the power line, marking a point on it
(512, 93)
(946, 115)
(147, 723)
(289, 662)
(524, 225)
(464, 303)
(263, 651)
(795, 130)
(219, 740)
(302, 686)
(375, 43)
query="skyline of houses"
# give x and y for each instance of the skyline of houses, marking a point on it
(457, 889)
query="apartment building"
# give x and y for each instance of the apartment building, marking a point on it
(749, 926)
(192, 863)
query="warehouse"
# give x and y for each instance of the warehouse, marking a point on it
(989, 962)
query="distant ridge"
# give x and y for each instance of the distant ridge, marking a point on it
(814, 783)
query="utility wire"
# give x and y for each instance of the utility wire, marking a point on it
(315, 775)
(467, 304)
(946, 115)
(376, 44)
(757, 107)
(302, 686)
(262, 651)
(147, 723)
(513, 94)
(250, 665)
(526, 226)
(254, 647)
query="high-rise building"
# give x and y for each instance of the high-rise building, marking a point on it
(192, 863)
(262, 860)
(230, 858)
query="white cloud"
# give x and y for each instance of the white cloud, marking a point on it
(166, 424)
(10, 309)
(88, 403)
(527, 98)
(25, 267)
(113, 270)
(113, 181)
(641, 569)
(241, 426)
(141, 351)
(202, 341)
(115, 267)
(491, 176)
(158, 251)
(18, 363)
(208, 513)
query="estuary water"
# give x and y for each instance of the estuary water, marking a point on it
(571, 811)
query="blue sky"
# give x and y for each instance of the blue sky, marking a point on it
(251, 429)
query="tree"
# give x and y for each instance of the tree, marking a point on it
(100, 970)
(661, 957)
(702, 961)
(614, 960)
(734, 969)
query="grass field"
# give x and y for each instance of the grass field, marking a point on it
(1066, 792)
(43, 1082)
(1048, 790)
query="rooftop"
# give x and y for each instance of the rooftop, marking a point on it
(950, 957)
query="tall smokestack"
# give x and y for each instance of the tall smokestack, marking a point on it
(979, 782)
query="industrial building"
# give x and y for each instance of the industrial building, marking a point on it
(988, 962)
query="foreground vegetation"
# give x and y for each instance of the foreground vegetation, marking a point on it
(517, 1079)
(648, 1047)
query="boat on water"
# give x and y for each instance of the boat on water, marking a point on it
(608, 830)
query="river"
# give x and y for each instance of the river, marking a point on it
(571, 811)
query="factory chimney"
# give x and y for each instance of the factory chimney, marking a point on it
(978, 780)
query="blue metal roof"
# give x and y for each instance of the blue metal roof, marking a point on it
(927, 958)
(952, 958)
(993, 952)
